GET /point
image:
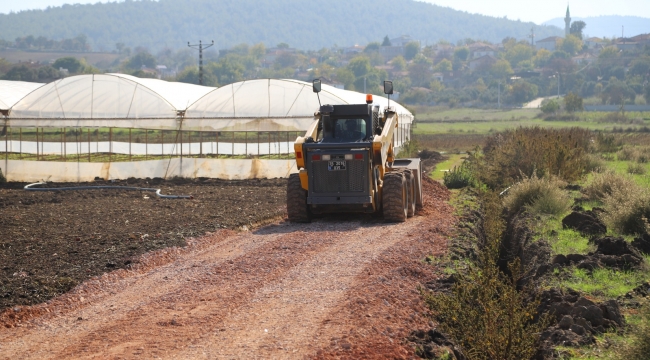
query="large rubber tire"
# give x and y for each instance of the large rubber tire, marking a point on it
(395, 197)
(297, 208)
(410, 181)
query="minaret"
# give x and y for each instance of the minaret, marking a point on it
(567, 22)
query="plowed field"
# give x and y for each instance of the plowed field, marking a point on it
(340, 287)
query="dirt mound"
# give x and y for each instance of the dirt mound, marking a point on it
(612, 252)
(586, 222)
(577, 318)
(52, 241)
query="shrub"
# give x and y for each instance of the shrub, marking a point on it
(627, 208)
(607, 143)
(459, 177)
(602, 185)
(627, 153)
(573, 103)
(636, 168)
(594, 163)
(538, 195)
(550, 107)
(639, 346)
(3, 179)
(543, 151)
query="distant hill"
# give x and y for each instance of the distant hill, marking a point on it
(304, 24)
(609, 26)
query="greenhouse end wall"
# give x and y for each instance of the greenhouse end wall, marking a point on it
(226, 169)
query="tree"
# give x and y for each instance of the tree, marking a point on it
(461, 53)
(609, 52)
(616, 92)
(372, 47)
(21, 73)
(72, 64)
(345, 76)
(550, 106)
(141, 59)
(386, 41)
(283, 45)
(646, 94)
(542, 57)
(359, 66)
(522, 91)
(640, 66)
(411, 49)
(576, 29)
(519, 53)
(444, 66)
(399, 63)
(573, 102)
(501, 69)
(571, 44)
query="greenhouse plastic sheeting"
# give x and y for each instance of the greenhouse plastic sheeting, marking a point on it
(115, 100)
(125, 148)
(12, 91)
(105, 100)
(226, 169)
(269, 105)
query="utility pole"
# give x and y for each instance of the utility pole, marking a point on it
(532, 36)
(200, 47)
(499, 96)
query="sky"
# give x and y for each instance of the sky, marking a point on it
(525, 10)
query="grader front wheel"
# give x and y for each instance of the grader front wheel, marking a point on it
(297, 209)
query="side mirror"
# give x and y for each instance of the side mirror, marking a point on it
(316, 85)
(388, 87)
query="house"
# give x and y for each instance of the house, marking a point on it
(484, 50)
(390, 52)
(482, 63)
(356, 49)
(438, 76)
(401, 41)
(625, 44)
(593, 42)
(550, 43)
(583, 59)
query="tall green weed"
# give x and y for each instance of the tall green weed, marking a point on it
(538, 195)
(535, 150)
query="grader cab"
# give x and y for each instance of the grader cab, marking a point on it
(346, 163)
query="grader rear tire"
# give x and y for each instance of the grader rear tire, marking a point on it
(395, 197)
(297, 208)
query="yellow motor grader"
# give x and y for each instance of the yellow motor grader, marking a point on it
(346, 163)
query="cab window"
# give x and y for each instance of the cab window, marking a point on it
(350, 129)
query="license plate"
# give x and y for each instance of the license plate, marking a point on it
(336, 165)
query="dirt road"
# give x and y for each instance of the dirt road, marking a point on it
(342, 287)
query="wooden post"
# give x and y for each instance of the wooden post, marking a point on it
(258, 144)
(162, 142)
(217, 144)
(233, 144)
(88, 144)
(269, 140)
(146, 143)
(110, 144)
(20, 142)
(130, 144)
(246, 144)
(200, 144)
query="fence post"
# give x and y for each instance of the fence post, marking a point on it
(110, 144)
(130, 144)
(146, 143)
(88, 144)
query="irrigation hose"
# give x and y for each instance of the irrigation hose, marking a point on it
(31, 187)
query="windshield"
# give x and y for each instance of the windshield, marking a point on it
(350, 129)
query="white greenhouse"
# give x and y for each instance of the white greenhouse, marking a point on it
(80, 126)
